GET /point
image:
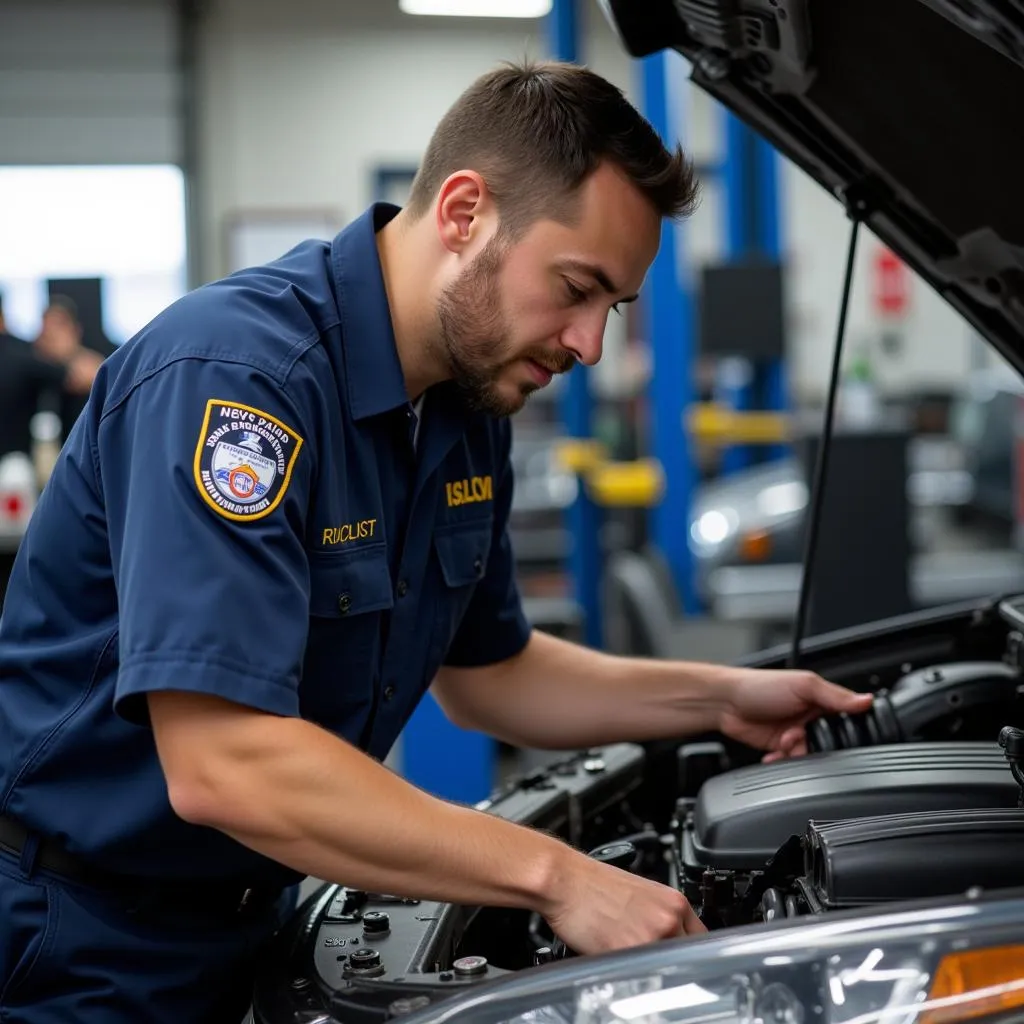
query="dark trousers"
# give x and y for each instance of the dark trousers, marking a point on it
(70, 953)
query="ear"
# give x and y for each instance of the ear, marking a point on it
(465, 211)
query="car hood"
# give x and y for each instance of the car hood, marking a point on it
(906, 110)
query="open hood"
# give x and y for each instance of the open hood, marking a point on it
(909, 111)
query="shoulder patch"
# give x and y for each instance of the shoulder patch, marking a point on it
(244, 459)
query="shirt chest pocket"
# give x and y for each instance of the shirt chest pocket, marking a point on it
(349, 592)
(462, 552)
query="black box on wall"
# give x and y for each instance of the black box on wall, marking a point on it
(741, 311)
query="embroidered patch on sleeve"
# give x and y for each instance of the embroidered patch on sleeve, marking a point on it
(244, 460)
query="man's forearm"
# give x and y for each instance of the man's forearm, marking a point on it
(558, 695)
(297, 794)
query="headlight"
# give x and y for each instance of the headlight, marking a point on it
(940, 965)
(713, 528)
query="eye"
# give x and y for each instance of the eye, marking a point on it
(576, 293)
(616, 307)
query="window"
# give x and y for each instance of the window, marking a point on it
(123, 225)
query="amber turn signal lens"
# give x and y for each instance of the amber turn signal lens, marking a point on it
(976, 983)
(756, 546)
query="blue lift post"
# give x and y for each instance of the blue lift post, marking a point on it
(752, 230)
(775, 394)
(668, 305)
(735, 386)
(583, 517)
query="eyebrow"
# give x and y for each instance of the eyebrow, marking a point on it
(598, 274)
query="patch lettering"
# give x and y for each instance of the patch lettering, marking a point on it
(348, 532)
(465, 492)
(244, 460)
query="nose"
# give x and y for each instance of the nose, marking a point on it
(584, 338)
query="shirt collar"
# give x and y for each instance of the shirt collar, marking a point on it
(373, 372)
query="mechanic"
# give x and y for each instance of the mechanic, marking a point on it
(281, 517)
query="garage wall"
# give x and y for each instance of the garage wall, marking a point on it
(89, 82)
(301, 101)
(935, 345)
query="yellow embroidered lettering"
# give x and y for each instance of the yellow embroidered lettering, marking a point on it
(464, 492)
(345, 533)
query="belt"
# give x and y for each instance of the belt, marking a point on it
(208, 895)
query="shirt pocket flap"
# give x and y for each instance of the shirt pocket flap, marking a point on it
(350, 582)
(463, 553)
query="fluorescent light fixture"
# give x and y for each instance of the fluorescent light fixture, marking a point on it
(478, 8)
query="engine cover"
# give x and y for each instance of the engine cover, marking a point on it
(898, 857)
(742, 817)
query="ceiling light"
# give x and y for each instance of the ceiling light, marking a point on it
(478, 8)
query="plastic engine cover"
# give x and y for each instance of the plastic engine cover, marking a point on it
(901, 857)
(742, 817)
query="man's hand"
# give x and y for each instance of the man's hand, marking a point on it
(82, 370)
(600, 908)
(768, 708)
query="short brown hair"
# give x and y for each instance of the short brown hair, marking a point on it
(535, 132)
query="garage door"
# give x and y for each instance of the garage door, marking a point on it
(89, 82)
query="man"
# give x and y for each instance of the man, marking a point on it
(62, 336)
(28, 373)
(281, 517)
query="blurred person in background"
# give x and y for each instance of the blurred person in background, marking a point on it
(55, 364)
(62, 341)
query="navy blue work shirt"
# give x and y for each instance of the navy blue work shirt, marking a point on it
(240, 512)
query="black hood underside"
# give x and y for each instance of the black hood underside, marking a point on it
(911, 112)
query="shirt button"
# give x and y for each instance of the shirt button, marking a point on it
(478, 566)
(344, 603)
(389, 692)
(403, 588)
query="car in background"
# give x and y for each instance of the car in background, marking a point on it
(747, 529)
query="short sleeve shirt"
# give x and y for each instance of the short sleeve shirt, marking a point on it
(240, 512)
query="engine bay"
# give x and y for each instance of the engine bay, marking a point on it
(919, 797)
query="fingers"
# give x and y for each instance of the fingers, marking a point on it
(609, 908)
(792, 743)
(830, 697)
(826, 698)
(692, 924)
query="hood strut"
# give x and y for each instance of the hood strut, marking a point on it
(856, 209)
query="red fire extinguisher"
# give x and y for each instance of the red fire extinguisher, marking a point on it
(892, 284)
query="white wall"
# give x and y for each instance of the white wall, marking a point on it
(300, 101)
(936, 341)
